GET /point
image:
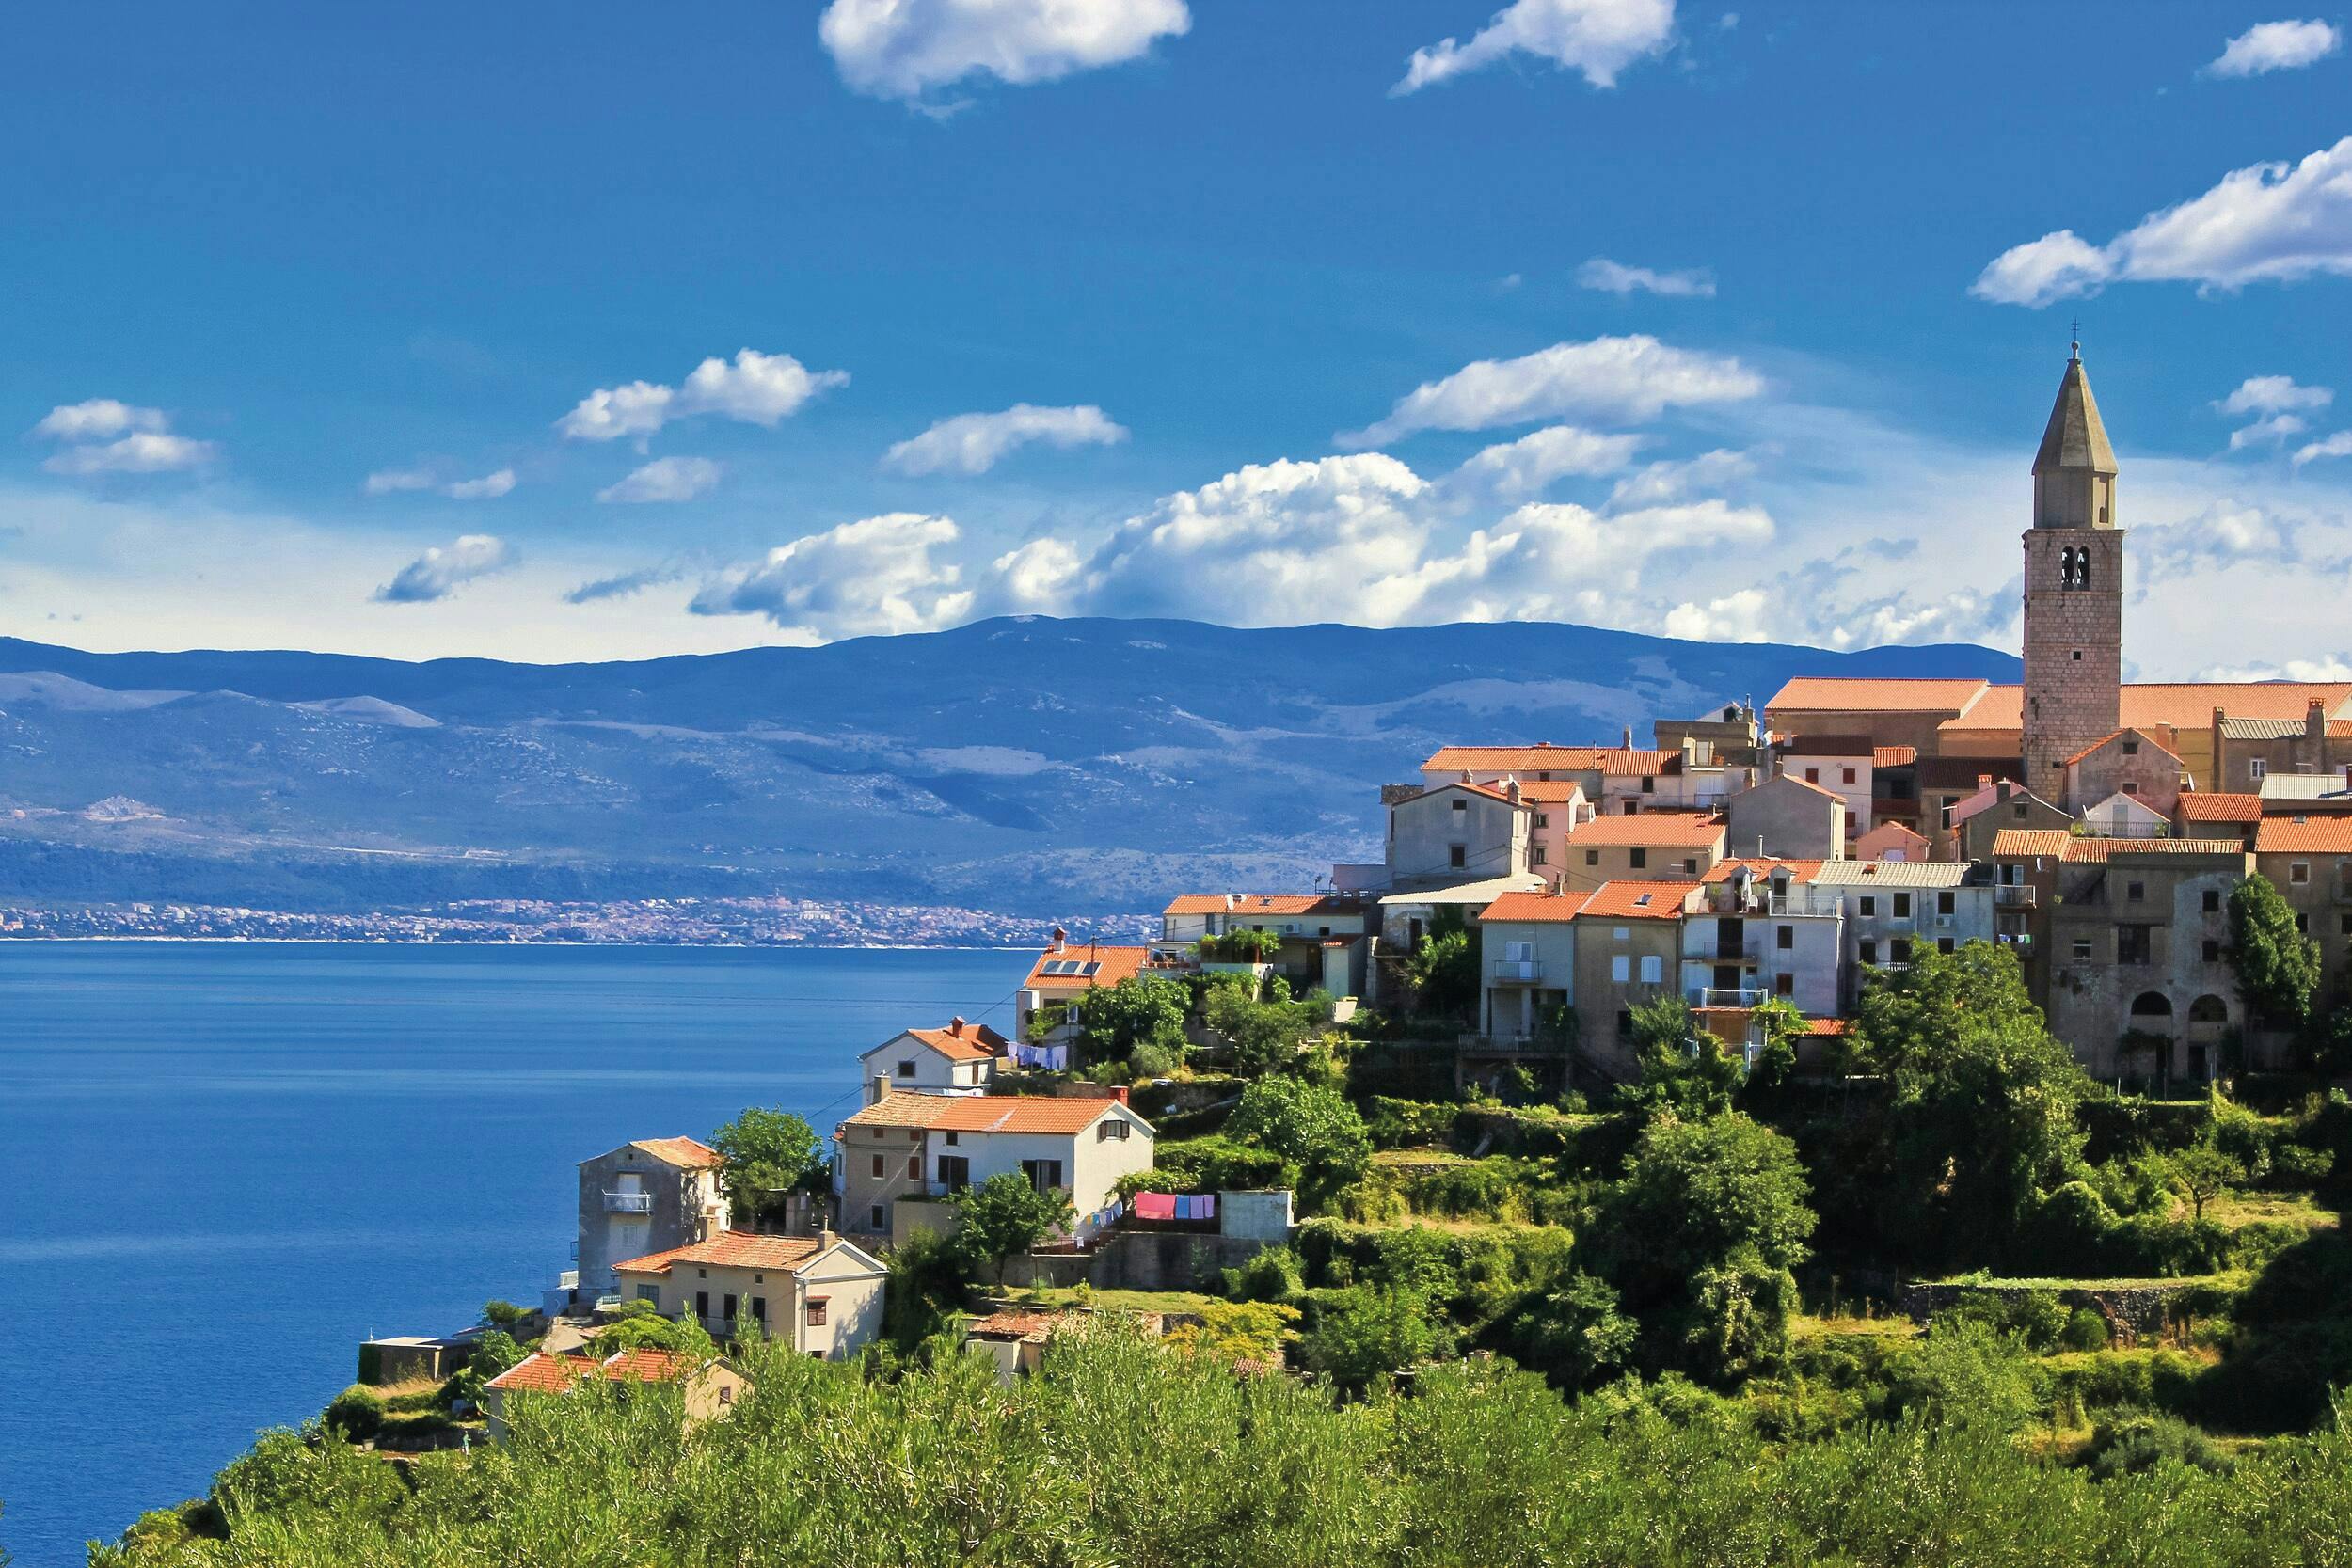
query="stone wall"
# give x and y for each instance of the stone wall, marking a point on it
(2133, 1311)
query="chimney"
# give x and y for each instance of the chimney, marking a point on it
(880, 1089)
(1061, 939)
(2315, 722)
(1119, 1092)
(955, 1026)
(1511, 790)
(826, 1240)
(1628, 737)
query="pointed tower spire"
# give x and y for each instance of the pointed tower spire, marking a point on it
(2073, 473)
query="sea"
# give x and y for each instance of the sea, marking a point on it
(228, 1164)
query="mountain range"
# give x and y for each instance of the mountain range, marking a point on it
(1026, 766)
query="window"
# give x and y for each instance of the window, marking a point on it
(2082, 950)
(1592, 857)
(1650, 787)
(1456, 856)
(1534, 857)
(1869, 952)
(1625, 1022)
(1461, 804)
(875, 1217)
(1869, 906)
(878, 1165)
(726, 1396)
(2213, 901)
(1946, 901)
(2135, 893)
(1898, 951)
(1543, 819)
(906, 1070)
(1044, 1175)
(1690, 866)
(2212, 954)
(1944, 944)
(1813, 775)
(701, 1304)
(2303, 923)
(2135, 944)
(2298, 872)
(1638, 859)
(1112, 1130)
(951, 1139)
(1902, 906)
(2018, 811)
(2078, 655)
(2131, 748)
(2256, 767)
(914, 1168)
(815, 1312)
(1653, 969)
(955, 1172)
(2130, 788)
(759, 1310)
(1849, 778)
(2344, 926)
(1783, 984)
(1620, 969)
(649, 1292)
(1785, 937)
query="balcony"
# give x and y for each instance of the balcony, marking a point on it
(1718, 996)
(2014, 896)
(628, 1203)
(1518, 971)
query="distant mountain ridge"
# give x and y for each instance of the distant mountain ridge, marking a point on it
(1028, 766)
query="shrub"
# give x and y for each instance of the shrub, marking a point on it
(357, 1412)
(1151, 1061)
(1273, 1274)
(1408, 1123)
(1965, 1372)
(2136, 1444)
(1211, 1165)
(2085, 1330)
(1359, 1334)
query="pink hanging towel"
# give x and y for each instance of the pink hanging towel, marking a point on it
(1155, 1206)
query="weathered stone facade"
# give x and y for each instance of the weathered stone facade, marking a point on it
(2073, 590)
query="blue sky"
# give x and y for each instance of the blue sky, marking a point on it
(310, 309)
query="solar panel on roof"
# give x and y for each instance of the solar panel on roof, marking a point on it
(1089, 968)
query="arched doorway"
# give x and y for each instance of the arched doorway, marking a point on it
(2208, 1027)
(2149, 1030)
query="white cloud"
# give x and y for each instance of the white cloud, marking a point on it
(98, 419)
(2272, 223)
(1524, 467)
(438, 573)
(2267, 432)
(870, 577)
(1596, 37)
(2274, 394)
(621, 585)
(1613, 380)
(1036, 576)
(142, 451)
(1737, 617)
(2331, 667)
(1663, 483)
(2275, 46)
(903, 48)
(2338, 445)
(664, 479)
(393, 481)
(1615, 277)
(756, 388)
(972, 443)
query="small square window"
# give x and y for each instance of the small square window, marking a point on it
(1783, 984)
(876, 1216)
(951, 1139)
(1947, 902)
(1620, 969)
(2078, 655)
(1900, 950)
(1849, 778)
(1461, 805)
(1592, 857)
(2082, 950)
(1944, 944)
(1456, 856)
(1869, 906)
(1902, 906)
(2299, 872)
(2131, 748)
(2135, 891)
(1869, 952)
(1785, 938)
(906, 1070)
(1813, 775)
(1638, 859)
(2212, 951)
(1690, 866)
(816, 1313)
(2213, 901)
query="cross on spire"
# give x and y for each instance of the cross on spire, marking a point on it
(2074, 349)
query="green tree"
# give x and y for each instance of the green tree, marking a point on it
(1311, 1125)
(1444, 968)
(1574, 1334)
(928, 1273)
(1685, 1071)
(1141, 1010)
(1004, 1214)
(1965, 1371)
(1363, 1333)
(2277, 966)
(766, 1153)
(2204, 1172)
(1267, 1034)
(1777, 1062)
(503, 1314)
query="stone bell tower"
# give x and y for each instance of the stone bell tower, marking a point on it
(2073, 589)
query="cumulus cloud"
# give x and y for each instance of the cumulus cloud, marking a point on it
(1612, 380)
(904, 48)
(1663, 483)
(394, 481)
(2338, 445)
(438, 573)
(1526, 465)
(2270, 46)
(972, 443)
(664, 479)
(2333, 667)
(621, 585)
(1615, 277)
(1737, 617)
(755, 388)
(2274, 394)
(878, 576)
(2274, 223)
(2267, 432)
(1598, 38)
(98, 419)
(1036, 577)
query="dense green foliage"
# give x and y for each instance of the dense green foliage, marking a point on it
(1004, 1214)
(1127, 1453)
(1444, 968)
(1142, 1012)
(2277, 966)
(767, 1154)
(1309, 1125)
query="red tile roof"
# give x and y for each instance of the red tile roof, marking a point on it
(1649, 829)
(2059, 843)
(685, 1153)
(735, 1249)
(1894, 756)
(1536, 907)
(1088, 964)
(1629, 900)
(540, 1373)
(1871, 694)
(2127, 730)
(2178, 705)
(1014, 1323)
(1831, 1027)
(2020, 842)
(995, 1112)
(1763, 865)
(2219, 806)
(1544, 758)
(1258, 903)
(2304, 836)
(963, 1042)
(645, 1363)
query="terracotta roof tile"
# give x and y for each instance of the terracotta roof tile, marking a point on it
(1894, 756)
(2176, 705)
(2080, 849)
(645, 1363)
(2023, 843)
(1014, 1323)
(737, 1249)
(1765, 865)
(1639, 900)
(1830, 1027)
(1544, 758)
(2304, 836)
(1532, 907)
(1081, 965)
(995, 1112)
(1871, 694)
(541, 1373)
(2130, 730)
(2219, 806)
(1649, 829)
(963, 1041)
(685, 1153)
(1260, 903)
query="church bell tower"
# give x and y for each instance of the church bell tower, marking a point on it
(2073, 589)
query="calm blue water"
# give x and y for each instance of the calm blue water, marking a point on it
(228, 1164)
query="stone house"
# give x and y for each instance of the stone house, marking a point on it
(2129, 762)
(2002, 805)
(2203, 813)
(2307, 857)
(1617, 778)
(959, 1059)
(1559, 809)
(1763, 932)
(1527, 961)
(1460, 831)
(1645, 848)
(820, 1294)
(640, 1197)
(1787, 816)
(1894, 908)
(2249, 749)
(920, 1149)
(1629, 951)
(1844, 765)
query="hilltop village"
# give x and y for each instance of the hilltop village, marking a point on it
(1910, 1050)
